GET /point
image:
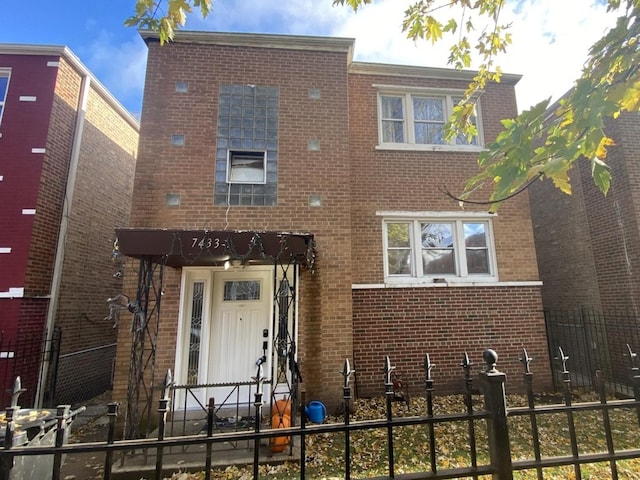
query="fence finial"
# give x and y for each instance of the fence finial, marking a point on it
(428, 366)
(526, 360)
(490, 357)
(466, 362)
(632, 357)
(387, 371)
(563, 359)
(346, 372)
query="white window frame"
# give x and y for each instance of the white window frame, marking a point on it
(407, 94)
(461, 276)
(4, 72)
(256, 156)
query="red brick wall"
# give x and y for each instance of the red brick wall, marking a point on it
(24, 126)
(385, 180)
(408, 323)
(353, 179)
(189, 171)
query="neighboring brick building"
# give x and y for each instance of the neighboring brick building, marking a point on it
(588, 249)
(67, 159)
(269, 135)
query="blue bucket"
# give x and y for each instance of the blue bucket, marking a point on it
(316, 411)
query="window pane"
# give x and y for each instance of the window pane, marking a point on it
(4, 80)
(399, 261)
(392, 119)
(392, 131)
(428, 109)
(475, 240)
(195, 333)
(429, 133)
(399, 248)
(475, 235)
(462, 139)
(392, 108)
(477, 261)
(438, 261)
(398, 235)
(241, 290)
(437, 235)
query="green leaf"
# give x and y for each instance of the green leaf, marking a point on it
(601, 175)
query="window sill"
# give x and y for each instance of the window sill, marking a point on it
(416, 284)
(437, 281)
(429, 148)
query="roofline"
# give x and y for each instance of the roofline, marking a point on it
(64, 51)
(367, 68)
(260, 40)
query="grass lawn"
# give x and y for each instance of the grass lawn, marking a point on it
(325, 452)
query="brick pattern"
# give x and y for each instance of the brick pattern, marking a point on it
(408, 323)
(354, 181)
(385, 180)
(101, 200)
(588, 244)
(189, 170)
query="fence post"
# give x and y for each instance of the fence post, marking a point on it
(346, 399)
(6, 463)
(112, 413)
(492, 383)
(62, 415)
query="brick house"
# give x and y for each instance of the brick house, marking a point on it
(588, 249)
(67, 159)
(266, 158)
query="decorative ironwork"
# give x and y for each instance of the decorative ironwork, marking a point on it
(144, 340)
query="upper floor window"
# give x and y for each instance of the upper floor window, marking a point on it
(4, 87)
(439, 249)
(418, 119)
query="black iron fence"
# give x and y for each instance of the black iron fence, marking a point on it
(488, 431)
(595, 341)
(76, 383)
(23, 357)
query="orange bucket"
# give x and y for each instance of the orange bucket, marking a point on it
(278, 444)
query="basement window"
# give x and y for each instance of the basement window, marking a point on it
(246, 167)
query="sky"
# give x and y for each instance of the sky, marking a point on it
(551, 38)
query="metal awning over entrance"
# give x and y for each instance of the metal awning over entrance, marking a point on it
(177, 248)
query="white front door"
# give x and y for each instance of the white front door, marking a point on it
(241, 327)
(225, 323)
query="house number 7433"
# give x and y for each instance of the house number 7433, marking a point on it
(205, 242)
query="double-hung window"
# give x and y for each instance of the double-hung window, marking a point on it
(4, 87)
(439, 248)
(417, 119)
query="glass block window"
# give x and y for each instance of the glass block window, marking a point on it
(247, 127)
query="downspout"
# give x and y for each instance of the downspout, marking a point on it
(62, 234)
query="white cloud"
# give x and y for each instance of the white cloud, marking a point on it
(120, 67)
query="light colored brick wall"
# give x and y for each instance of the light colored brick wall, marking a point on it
(101, 203)
(189, 171)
